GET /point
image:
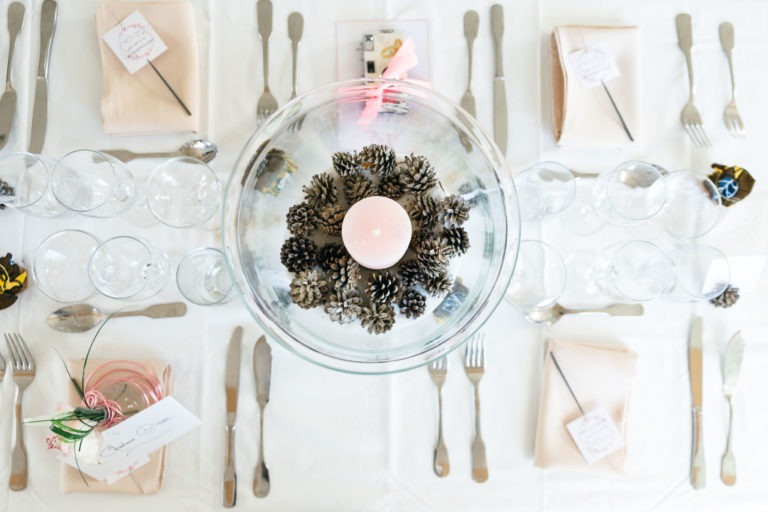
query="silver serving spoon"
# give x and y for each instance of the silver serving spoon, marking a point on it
(553, 313)
(84, 317)
(201, 149)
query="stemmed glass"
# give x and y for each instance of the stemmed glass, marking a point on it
(125, 267)
(183, 192)
(630, 194)
(703, 273)
(692, 207)
(60, 267)
(539, 277)
(544, 189)
(634, 271)
(25, 185)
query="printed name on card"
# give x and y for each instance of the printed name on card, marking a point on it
(595, 434)
(594, 64)
(135, 42)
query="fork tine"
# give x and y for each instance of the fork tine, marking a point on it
(704, 136)
(690, 133)
(12, 354)
(28, 360)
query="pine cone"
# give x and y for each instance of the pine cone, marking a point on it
(344, 273)
(329, 253)
(456, 239)
(413, 304)
(438, 284)
(329, 219)
(308, 289)
(432, 255)
(298, 253)
(378, 318)
(321, 191)
(6, 189)
(453, 211)
(301, 219)
(418, 236)
(726, 299)
(423, 210)
(390, 187)
(346, 164)
(410, 273)
(378, 159)
(383, 287)
(417, 175)
(343, 306)
(357, 187)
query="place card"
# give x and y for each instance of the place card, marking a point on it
(135, 42)
(594, 64)
(595, 434)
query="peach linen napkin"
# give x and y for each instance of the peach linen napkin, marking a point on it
(599, 376)
(148, 478)
(140, 103)
(584, 118)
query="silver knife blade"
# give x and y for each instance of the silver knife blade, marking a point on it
(7, 111)
(262, 370)
(499, 89)
(232, 378)
(695, 362)
(48, 15)
(734, 355)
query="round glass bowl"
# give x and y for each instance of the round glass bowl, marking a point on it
(60, 267)
(298, 142)
(183, 192)
(693, 206)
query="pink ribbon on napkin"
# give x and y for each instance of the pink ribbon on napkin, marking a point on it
(404, 60)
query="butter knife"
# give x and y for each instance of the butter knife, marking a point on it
(8, 100)
(499, 89)
(471, 22)
(40, 108)
(262, 371)
(232, 386)
(695, 368)
(734, 354)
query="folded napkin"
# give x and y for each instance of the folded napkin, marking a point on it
(599, 376)
(584, 118)
(145, 480)
(140, 103)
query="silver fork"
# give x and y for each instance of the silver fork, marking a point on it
(437, 371)
(731, 115)
(23, 372)
(474, 366)
(690, 116)
(2, 367)
(267, 103)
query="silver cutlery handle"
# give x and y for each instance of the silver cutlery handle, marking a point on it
(728, 463)
(479, 461)
(727, 40)
(497, 29)
(19, 472)
(126, 156)
(230, 477)
(169, 310)
(698, 473)
(47, 25)
(15, 19)
(264, 15)
(685, 40)
(261, 483)
(471, 25)
(295, 31)
(612, 309)
(441, 463)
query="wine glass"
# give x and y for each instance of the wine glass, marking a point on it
(60, 266)
(692, 207)
(703, 272)
(25, 185)
(634, 271)
(203, 278)
(183, 192)
(545, 189)
(126, 267)
(539, 277)
(93, 183)
(630, 194)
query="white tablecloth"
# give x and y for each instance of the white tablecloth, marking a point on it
(343, 442)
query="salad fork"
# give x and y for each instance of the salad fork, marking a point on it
(267, 103)
(23, 372)
(690, 115)
(731, 115)
(437, 372)
(474, 366)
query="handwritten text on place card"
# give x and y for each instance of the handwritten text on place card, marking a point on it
(135, 42)
(594, 64)
(595, 434)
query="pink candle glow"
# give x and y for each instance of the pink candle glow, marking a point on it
(376, 232)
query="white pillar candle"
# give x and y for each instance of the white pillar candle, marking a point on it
(376, 232)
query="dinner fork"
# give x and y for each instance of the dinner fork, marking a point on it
(690, 116)
(267, 103)
(23, 372)
(437, 371)
(474, 366)
(731, 115)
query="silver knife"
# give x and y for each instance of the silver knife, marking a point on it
(262, 371)
(40, 108)
(232, 381)
(695, 368)
(734, 354)
(8, 100)
(499, 89)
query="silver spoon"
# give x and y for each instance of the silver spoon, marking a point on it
(201, 149)
(553, 313)
(84, 317)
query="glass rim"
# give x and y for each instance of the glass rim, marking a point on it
(47, 166)
(114, 164)
(148, 246)
(35, 271)
(197, 252)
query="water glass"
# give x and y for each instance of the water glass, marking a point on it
(692, 207)
(125, 267)
(634, 271)
(25, 184)
(703, 273)
(203, 278)
(183, 192)
(93, 184)
(630, 194)
(60, 266)
(544, 189)
(539, 277)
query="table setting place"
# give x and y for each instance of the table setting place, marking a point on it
(383, 256)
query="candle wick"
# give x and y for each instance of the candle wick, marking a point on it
(376, 232)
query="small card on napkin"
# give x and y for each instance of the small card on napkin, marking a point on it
(135, 42)
(595, 434)
(594, 65)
